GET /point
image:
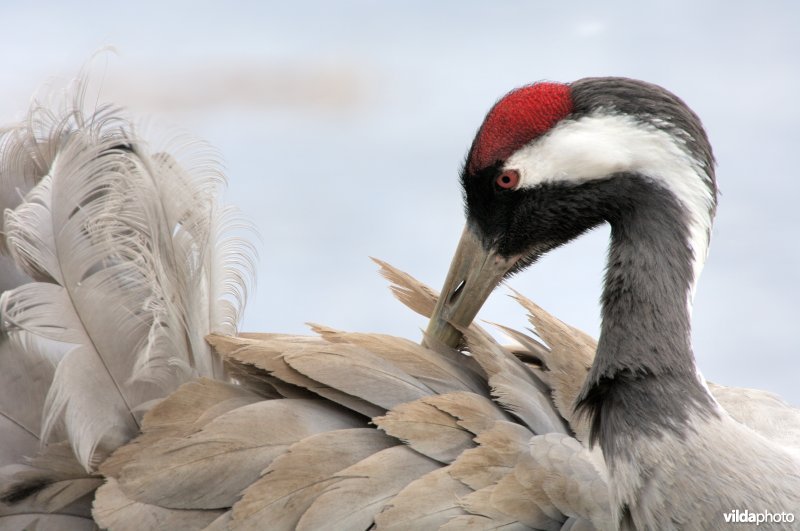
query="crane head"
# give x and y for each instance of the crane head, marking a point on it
(553, 160)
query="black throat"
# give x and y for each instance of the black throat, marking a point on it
(643, 380)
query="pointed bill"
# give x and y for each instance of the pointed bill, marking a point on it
(474, 273)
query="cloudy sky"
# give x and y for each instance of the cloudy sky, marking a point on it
(343, 126)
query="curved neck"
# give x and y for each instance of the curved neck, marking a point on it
(643, 379)
(645, 305)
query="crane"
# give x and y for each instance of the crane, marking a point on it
(128, 399)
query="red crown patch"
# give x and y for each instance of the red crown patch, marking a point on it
(520, 116)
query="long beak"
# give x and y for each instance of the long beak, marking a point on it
(474, 273)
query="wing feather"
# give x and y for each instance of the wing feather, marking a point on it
(114, 510)
(365, 488)
(289, 486)
(210, 468)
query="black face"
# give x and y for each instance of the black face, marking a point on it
(531, 221)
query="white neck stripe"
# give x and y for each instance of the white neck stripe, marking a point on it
(599, 145)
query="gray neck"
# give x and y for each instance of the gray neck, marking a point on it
(643, 380)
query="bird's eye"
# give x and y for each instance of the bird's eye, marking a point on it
(508, 179)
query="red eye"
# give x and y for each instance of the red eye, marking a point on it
(508, 179)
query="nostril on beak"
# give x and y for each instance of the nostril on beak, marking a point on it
(456, 292)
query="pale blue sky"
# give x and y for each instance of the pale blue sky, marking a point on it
(343, 126)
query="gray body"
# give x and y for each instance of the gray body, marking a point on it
(676, 459)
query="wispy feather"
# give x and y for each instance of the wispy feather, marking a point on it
(132, 267)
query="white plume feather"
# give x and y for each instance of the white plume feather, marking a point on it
(131, 267)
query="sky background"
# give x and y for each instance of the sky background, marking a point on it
(343, 126)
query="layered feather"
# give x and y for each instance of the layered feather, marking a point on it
(448, 456)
